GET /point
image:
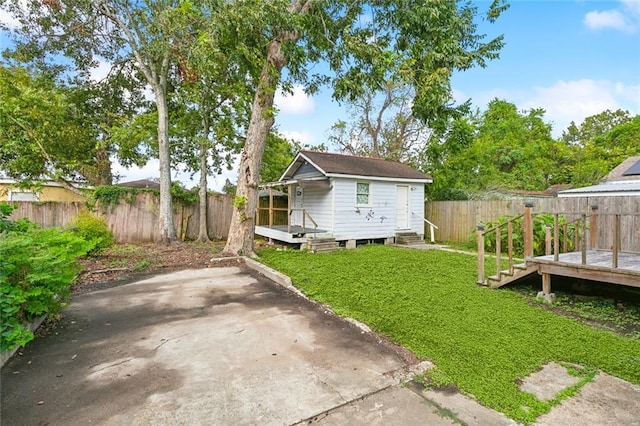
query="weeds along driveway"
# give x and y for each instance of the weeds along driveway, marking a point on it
(208, 346)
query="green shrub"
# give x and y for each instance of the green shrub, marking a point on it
(6, 225)
(37, 267)
(540, 223)
(94, 229)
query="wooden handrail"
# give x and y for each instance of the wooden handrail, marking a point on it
(305, 214)
(512, 219)
(432, 227)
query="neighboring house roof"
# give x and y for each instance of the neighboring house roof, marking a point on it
(330, 165)
(616, 188)
(624, 180)
(142, 183)
(550, 192)
(629, 169)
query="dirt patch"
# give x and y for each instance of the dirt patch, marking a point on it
(123, 263)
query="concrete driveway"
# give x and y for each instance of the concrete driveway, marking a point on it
(209, 346)
(228, 346)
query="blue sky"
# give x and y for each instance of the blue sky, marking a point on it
(574, 58)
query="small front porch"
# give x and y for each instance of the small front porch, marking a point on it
(276, 219)
(292, 234)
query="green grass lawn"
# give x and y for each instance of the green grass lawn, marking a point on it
(482, 340)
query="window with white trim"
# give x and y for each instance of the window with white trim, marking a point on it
(363, 194)
(22, 196)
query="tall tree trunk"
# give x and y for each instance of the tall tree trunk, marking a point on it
(103, 167)
(166, 227)
(241, 233)
(203, 235)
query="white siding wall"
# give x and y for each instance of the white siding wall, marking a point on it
(317, 202)
(378, 220)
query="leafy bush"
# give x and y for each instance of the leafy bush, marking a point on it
(94, 229)
(6, 225)
(540, 223)
(37, 267)
(5, 211)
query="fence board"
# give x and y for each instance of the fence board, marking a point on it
(135, 222)
(456, 220)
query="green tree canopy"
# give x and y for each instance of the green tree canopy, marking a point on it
(43, 133)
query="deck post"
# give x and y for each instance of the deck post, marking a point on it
(546, 294)
(270, 207)
(498, 252)
(289, 209)
(480, 238)
(510, 245)
(547, 240)
(584, 239)
(593, 228)
(556, 236)
(528, 231)
(616, 241)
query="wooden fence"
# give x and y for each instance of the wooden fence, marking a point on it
(457, 220)
(137, 221)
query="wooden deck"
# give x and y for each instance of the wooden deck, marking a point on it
(593, 261)
(598, 266)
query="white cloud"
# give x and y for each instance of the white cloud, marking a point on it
(567, 101)
(9, 20)
(625, 18)
(296, 102)
(632, 7)
(304, 138)
(101, 71)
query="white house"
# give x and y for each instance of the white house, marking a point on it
(349, 198)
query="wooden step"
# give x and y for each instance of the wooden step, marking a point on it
(322, 245)
(408, 238)
(506, 277)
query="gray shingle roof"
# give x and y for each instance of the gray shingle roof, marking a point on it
(617, 173)
(342, 164)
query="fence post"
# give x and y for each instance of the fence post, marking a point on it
(593, 228)
(528, 231)
(480, 238)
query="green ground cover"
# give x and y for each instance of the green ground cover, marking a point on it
(481, 340)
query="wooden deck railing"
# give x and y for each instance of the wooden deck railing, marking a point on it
(305, 214)
(481, 233)
(584, 238)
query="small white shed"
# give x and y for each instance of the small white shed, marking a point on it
(349, 198)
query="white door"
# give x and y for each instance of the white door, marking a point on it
(298, 205)
(402, 207)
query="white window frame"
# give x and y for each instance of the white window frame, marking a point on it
(10, 195)
(369, 202)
